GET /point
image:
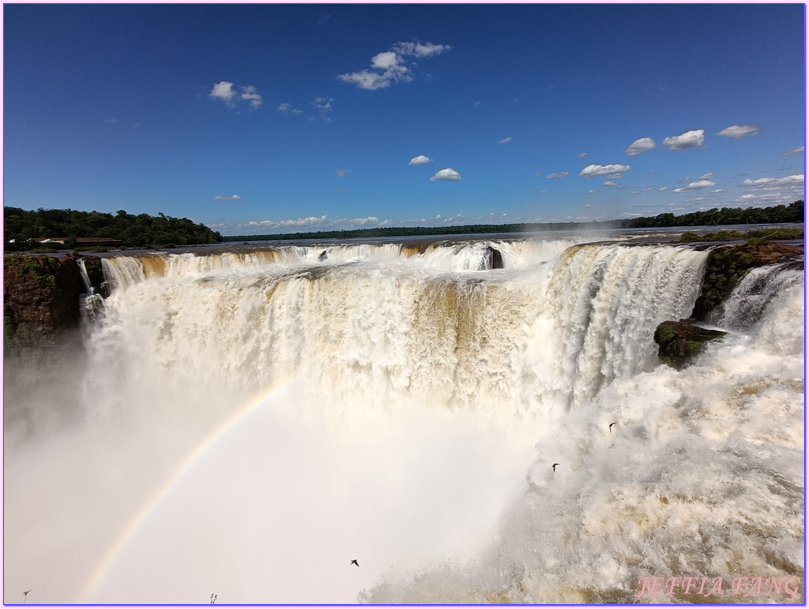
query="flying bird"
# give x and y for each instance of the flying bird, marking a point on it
(553, 467)
(611, 424)
(354, 562)
(25, 595)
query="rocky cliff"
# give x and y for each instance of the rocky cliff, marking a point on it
(41, 298)
(679, 341)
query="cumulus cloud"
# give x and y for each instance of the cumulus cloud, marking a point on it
(249, 94)
(602, 170)
(420, 160)
(738, 132)
(640, 146)
(287, 108)
(228, 93)
(418, 49)
(230, 198)
(323, 105)
(775, 182)
(558, 174)
(340, 173)
(447, 174)
(590, 192)
(392, 66)
(793, 151)
(504, 140)
(707, 176)
(689, 139)
(610, 183)
(696, 186)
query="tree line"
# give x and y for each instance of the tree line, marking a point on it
(21, 227)
(713, 217)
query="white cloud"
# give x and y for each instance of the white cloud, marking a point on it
(226, 91)
(223, 90)
(231, 198)
(418, 49)
(386, 61)
(287, 107)
(339, 190)
(391, 66)
(793, 151)
(582, 154)
(324, 105)
(775, 182)
(707, 176)
(663, 188)
(611, 183)
(342, 172)
(602, 170)
(504, 140)
(690, 139)
(367, 80)
(420, 160)
(448, 174)
(558, 174)
(640, 146)
(738, 132)
(590, 192)
(696, 186)
(249, 94)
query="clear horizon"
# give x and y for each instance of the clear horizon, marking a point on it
(263, 119)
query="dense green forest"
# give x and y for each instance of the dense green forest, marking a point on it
(712, 217)
(21, 226)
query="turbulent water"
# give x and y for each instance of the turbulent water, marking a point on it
(252, 422)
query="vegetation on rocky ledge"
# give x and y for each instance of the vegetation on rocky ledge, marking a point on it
(41, 298)
(680, 341)
(727, 265)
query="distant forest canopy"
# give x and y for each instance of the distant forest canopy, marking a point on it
(21, 227)
(712, 217)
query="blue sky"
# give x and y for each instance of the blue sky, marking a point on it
(279, 118)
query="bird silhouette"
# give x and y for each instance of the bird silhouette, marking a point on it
(25, 595)
(354, 562)
(611, 424)
(553, 467)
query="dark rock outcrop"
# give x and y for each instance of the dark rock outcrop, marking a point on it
(95, 273)
(727, 265)
(492, 259)
(41, 298)
(679, 341)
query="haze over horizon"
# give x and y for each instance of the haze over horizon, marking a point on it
(262, 119)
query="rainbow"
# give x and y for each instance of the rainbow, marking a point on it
(150, 506)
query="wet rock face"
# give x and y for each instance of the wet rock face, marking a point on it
(41, 298)
(95, 273)
(680, 341)
(726, 266)
(41, 293)
(492, 259)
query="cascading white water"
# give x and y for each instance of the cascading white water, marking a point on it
(412, 390)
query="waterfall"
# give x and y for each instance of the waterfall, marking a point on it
(256, 419)
(538, 337)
